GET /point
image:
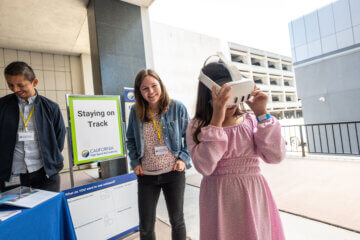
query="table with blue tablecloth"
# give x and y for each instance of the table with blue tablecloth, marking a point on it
(48, 220)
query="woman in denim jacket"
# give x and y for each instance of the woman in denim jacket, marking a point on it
(158, 152)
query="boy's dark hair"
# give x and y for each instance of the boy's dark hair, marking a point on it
(20, 68)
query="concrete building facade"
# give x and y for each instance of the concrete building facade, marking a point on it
(180, 54)
(273, 73)
(326, 58)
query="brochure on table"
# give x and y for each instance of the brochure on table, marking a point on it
(8, 214)
(25, 197)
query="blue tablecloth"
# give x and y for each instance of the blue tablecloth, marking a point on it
(49, 220)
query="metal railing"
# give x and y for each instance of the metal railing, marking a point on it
(323, 138)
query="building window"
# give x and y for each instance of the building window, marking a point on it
(275, 98)
(299, 114)
(276, 115)
(273, 82)
(286, 67)
(255, 63)
(289, 115)
(236, 58)
(272, 65)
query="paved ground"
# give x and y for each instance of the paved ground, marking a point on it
(296, 228)
(324, 188)
(162, 230)
(320, 187)
(81, 178)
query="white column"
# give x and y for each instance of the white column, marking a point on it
(87, 74)
(145, 20)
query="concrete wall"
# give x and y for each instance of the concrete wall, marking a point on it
(178, 58)
(326, 54)
(337, 80)
(117, 55)
(117, 45)
(58, 75)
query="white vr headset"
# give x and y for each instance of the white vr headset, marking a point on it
(241, 87)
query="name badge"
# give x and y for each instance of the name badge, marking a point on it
(26, 136)
(14, 180)
(161, 150)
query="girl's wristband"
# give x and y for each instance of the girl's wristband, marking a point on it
(263, 117)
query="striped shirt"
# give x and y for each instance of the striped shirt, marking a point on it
(27, 154)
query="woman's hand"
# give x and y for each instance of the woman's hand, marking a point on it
(258, 102)
(138, 170)
(179, 165)
(219, 104)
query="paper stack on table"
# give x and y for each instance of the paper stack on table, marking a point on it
(26, 197)
(8, 214)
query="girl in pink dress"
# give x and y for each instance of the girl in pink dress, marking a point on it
(226, 146)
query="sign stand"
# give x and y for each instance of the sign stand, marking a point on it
(96, 133)
(71, 160)
(129, 98)
(74, 160)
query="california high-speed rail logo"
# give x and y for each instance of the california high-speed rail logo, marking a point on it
(85, 153)
(131, 96)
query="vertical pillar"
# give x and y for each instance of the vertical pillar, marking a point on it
(87, 74)
(117, 54)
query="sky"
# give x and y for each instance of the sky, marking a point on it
(261, 24)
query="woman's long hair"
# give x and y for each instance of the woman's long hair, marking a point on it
(204, 110)
(141, 105)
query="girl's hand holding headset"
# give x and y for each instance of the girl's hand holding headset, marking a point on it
(219, 104)
(258, 101)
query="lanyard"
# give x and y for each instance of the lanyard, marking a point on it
(27, 120)
(157, 129)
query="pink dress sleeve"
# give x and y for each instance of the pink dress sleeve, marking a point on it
(206, 154)
(269, 143)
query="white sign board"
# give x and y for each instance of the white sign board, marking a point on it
(106, 209)
(96, 128)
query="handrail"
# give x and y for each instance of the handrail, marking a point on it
(323, 138)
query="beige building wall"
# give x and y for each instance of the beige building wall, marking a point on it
(178, 57)
(58, 75)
